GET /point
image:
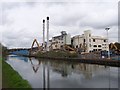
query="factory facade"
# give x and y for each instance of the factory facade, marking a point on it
(85, 42)
(88, 43)
(57, 42)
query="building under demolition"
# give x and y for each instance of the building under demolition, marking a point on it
(58, 42)
(79, 43)
(87, 43)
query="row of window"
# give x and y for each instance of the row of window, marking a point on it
(104, 44)
(96, 46)
(94, 40)
(97, 49)
(103, 40)
(91, 45)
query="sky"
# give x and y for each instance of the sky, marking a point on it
(21, 20)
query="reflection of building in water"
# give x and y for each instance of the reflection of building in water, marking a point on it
(86, 69)
(61, 67)
(34, 66)
(66, 69)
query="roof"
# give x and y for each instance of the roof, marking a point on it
(98, 37)
(77, 36)
(57, 36)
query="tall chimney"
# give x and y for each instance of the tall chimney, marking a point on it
(43, 34)
(47, 33)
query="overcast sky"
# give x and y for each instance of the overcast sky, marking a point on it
(22, 19)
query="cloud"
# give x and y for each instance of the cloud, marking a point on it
(22, 21)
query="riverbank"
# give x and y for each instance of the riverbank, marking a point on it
(0, 72)
(11, 78)
(99, 61)
(57, 53)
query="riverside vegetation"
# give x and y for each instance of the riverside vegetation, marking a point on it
(57, 53)
(11, 78)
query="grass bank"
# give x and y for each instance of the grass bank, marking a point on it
(0, 72)
(11, 78)
(57, 53)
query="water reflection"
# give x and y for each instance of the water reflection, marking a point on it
(34, 66)
(25, 59)
(62, 74)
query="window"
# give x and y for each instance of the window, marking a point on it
(55, 45)
(99, 49)
(76, 46)
(94, 49)
(90, 45)
(104, 40)
(93, 40)
(89, 35)
(84, 40)
(95, 46)
(99, 45)
(89, 40)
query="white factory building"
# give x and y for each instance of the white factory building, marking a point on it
(57, 42)
(89, 43)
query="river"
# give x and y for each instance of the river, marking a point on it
(62, 74)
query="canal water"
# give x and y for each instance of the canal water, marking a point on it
(61, 74)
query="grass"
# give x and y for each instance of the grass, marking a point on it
(57, 53)
(0, 72)
(11, 78)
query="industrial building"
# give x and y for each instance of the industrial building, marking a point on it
(88, 43)
(79, 43)
(57, 42)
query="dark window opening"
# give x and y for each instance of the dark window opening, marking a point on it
(95, 46)
(99, 45)
(104, 40)
(77, 46)
(84, 40)
(55, 45)
(99, 49)
(89, 35)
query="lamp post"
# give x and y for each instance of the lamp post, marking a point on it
(107, 29)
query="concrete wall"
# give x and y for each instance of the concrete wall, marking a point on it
(58, 42)
(67, 39)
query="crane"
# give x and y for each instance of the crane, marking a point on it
(38, 46)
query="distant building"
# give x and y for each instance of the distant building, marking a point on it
(87, 43)
(57, 42)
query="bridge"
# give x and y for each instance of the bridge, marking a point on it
(19, 51)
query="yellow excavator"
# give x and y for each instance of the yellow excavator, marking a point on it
(114, 48)
(36, 49)
(70, 49)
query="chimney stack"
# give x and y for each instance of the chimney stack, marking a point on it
(47, 33)
(43, 34)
